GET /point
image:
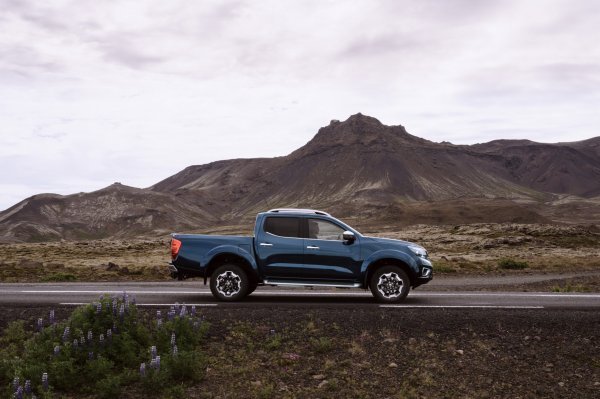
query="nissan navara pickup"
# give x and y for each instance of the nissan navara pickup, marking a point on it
(300, 247)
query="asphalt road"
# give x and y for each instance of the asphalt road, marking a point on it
(194, 293)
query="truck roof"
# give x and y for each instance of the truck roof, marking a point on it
(298, 210)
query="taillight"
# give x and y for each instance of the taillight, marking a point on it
(175, 245)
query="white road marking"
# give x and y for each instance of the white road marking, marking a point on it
(103, 292)
(464, 306)
(147, 304)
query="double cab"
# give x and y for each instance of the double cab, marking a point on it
(300, 247)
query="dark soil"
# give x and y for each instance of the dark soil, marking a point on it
(338, 352)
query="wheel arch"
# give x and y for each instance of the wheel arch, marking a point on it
(228, 257)
(388, 261)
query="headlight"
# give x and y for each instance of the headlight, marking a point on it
(419, 251)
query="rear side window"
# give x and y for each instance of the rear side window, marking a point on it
(282, 226)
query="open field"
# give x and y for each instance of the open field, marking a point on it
(490, 249)
(294, 352)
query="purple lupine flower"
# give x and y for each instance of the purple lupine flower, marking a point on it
(66, 334)
(159, 322)
(133, 302)
(75, 344)
(175, 351)
(193, 310)
(82, 340)
(99, 308)
(157, 363)
(90, 336)
(52, 316)
(27, 387)
(45, 381)
(172, 339)
(101, 298)
(56, 350)
(153, 364)
(101, 339)
(108, 306)
(176, 306)
(143, 370)
(114, 306)
(91, 355)
(121, 312)
(19, 392)
(125, 295)
(153, 351)
(15, 383)
(40, 324)
(115, 328)
(182, 311)
(171, 315)
(108, 334)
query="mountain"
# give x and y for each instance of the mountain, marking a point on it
(114, 211)
(359, 169)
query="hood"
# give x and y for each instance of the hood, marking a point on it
(390, 241)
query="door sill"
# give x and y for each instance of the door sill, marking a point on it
(310, 284)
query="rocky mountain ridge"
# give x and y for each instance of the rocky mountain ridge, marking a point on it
(359, 169)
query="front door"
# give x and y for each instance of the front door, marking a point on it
(326, 255)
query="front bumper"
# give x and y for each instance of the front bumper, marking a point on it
(425, 272)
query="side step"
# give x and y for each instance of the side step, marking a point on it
(310, 284)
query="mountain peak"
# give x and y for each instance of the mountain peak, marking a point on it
(358, 129)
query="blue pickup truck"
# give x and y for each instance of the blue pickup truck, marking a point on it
(300, 247)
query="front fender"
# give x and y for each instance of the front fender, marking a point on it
(390, 254)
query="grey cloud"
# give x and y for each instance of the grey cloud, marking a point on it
(538, 84)
(119, 49)
(40, 15)
(381, 45)
(24, 58)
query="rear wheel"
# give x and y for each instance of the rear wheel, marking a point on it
(229, 282)
(389, 284)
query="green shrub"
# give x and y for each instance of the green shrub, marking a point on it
(102, 367)
(322, 344)
(512, 264)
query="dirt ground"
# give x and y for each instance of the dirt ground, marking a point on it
(330, 352)
(459, 250)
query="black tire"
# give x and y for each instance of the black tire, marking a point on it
(229, 283)
(252, 287)
(389, 284)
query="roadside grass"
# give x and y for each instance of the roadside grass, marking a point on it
(102, 350)
(57, 277)
(511, 264)
(568, 287)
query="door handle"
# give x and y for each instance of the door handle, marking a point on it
(312, 247)
(265, 244)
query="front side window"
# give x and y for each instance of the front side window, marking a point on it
(323, 230)
(283, 226)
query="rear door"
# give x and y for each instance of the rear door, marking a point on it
(326, 255)
(279, 247)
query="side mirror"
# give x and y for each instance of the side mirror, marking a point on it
(348, 236)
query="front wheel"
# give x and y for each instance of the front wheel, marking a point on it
(389, 284)
(229, 283)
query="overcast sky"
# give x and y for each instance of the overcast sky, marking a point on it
(94, 92)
